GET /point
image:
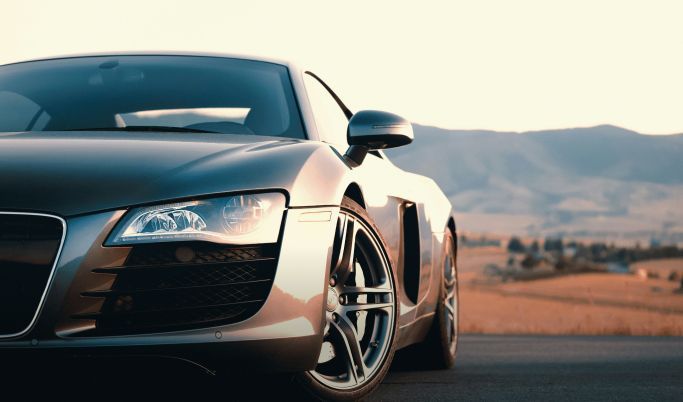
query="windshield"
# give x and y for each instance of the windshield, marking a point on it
(149, 93)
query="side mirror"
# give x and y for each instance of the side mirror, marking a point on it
(372, 129)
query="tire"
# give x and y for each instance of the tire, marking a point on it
(441, 345)
(439, 349)
(374, 328)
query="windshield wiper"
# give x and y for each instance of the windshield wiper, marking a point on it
(170, 129)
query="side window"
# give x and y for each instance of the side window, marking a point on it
(329, 117)
(20, 113)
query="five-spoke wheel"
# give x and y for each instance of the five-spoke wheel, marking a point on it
(361, 311)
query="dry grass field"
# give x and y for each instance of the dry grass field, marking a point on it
(586, 304)
(662, 267)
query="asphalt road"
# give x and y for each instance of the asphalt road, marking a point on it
(544, 368)
(548, 368)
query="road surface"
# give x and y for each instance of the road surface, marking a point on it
(550, 368)
(497, 368)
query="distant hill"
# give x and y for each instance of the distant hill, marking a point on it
(601, 181)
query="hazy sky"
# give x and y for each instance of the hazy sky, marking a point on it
(503, 65)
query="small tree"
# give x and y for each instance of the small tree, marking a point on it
(529, 262)
(515, 245)
(535, 248)
(551, 244)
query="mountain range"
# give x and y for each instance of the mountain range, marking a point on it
(597, 182)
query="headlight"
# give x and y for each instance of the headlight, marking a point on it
(238, 219)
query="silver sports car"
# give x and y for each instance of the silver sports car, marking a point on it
(223, 210)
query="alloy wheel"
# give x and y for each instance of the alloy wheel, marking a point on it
(451, 299)
(360, 308)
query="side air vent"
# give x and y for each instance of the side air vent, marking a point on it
(411, 251)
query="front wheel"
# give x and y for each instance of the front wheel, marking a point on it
(361, 312)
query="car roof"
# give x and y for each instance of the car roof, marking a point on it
(265, 59)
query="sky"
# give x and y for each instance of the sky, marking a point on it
(501, 65)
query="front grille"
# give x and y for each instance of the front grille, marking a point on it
(174, 286)
(29, 245)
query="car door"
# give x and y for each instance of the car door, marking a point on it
(392, 198)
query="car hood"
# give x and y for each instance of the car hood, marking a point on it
(71, 173)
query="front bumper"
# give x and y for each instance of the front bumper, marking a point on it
(284, 335)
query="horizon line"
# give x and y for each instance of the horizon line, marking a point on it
(549, 129)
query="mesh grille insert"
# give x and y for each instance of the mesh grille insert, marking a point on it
(175, 286)
(29, 245)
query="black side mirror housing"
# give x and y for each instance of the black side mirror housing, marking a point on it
(372, 129)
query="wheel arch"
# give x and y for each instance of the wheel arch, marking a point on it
(354, 192)
(454, 231)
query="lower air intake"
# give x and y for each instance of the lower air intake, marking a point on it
(175, 286)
